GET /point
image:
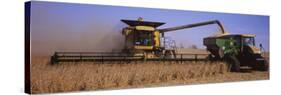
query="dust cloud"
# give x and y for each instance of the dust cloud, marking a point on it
(89, 39)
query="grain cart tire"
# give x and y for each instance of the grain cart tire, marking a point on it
(233, 63)
(220, 53)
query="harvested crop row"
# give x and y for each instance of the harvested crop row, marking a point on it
(93, 76)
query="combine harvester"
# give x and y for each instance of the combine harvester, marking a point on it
(144, 42)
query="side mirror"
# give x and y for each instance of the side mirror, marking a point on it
(261, 48)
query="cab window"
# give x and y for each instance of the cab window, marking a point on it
(143, 38)
(249, 41)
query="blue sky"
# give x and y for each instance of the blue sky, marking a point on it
(60, 25)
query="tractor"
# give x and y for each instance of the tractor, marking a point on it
(236, 49)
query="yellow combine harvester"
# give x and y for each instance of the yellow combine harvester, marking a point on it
(144, 37)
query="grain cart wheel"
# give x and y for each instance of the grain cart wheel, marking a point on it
(220, 53)
(234, 63)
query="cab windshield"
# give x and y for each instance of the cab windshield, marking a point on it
(249, 41)
(143, 38)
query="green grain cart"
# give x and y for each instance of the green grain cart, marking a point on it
(237, 49)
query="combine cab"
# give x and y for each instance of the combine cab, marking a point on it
(236, 49)
(142, 37)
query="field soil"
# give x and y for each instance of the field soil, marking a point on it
(84, 76)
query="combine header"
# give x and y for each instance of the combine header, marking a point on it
(118, 56)
(145, 42)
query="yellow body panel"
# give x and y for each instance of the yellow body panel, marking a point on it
(144, 47)
(156, 39)
(255, 50)
(147, 28)
(248, 35)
